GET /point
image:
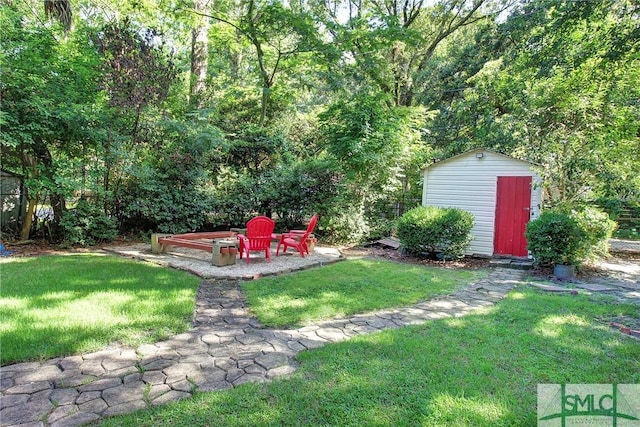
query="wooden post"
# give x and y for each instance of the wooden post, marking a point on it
(156, 247)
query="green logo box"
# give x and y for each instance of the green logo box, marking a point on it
(578, 405)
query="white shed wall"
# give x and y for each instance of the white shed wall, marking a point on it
(469, 183)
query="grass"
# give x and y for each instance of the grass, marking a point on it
(53, 306)
(346, 288)
(478, 370)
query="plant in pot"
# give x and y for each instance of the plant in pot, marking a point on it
(564, 237)
(555, 238)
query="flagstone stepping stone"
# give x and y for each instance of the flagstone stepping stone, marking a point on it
(594, 287)
(552, 288)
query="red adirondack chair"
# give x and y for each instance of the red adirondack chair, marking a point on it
(297, 238)
(258, 237)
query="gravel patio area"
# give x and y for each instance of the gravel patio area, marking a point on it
(198, 262)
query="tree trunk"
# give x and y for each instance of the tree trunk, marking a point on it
(267, 80)
(236, 58)
(59, 10)
(25, 231)
(264, 104)
(199, 55)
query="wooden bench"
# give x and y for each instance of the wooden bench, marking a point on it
(160, 243)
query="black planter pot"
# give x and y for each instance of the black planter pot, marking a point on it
(564, 272)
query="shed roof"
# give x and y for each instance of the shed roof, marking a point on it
(447, 160)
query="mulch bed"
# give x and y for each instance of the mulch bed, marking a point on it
(42, 247)
(396, 255)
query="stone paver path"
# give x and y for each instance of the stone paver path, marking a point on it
(225, 348)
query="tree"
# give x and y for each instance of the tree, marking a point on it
(48, 85)
(555, 88)
(577, 113)
(136, 72)
(59, 10)
(276, 32)
(374, 145)
(199, 54)
(393, 42)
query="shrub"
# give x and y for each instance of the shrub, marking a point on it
(430, 230)
(626, 214)
(598, 228)
(380, 228)
(158, 205)
(165, 190)
(297, 190)
(562, 236)
(236, 199)
(346, 224)
(555, 238)
(86, 225)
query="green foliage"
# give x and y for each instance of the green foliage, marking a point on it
(628, 233)
(555, 237)
(344, 223)
(49, 95)
(137, 70)
(165, 191)
(552, 84)
(293, 192)
(157, 205)
(569, 237)
(235, 199)
(377, 147)
(381, 227)
(253, 150)
(296, 191)
(431, 230)
(87, 225)
(598, 229)
(367, 137)
(626, 213)
(575, 111)
(265, 45)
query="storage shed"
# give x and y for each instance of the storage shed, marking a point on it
(503, 194)
(12, 197)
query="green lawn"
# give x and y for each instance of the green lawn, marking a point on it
(346, 288)
(478, 370)
(60, 305)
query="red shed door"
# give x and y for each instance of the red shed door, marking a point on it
(513, 206)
